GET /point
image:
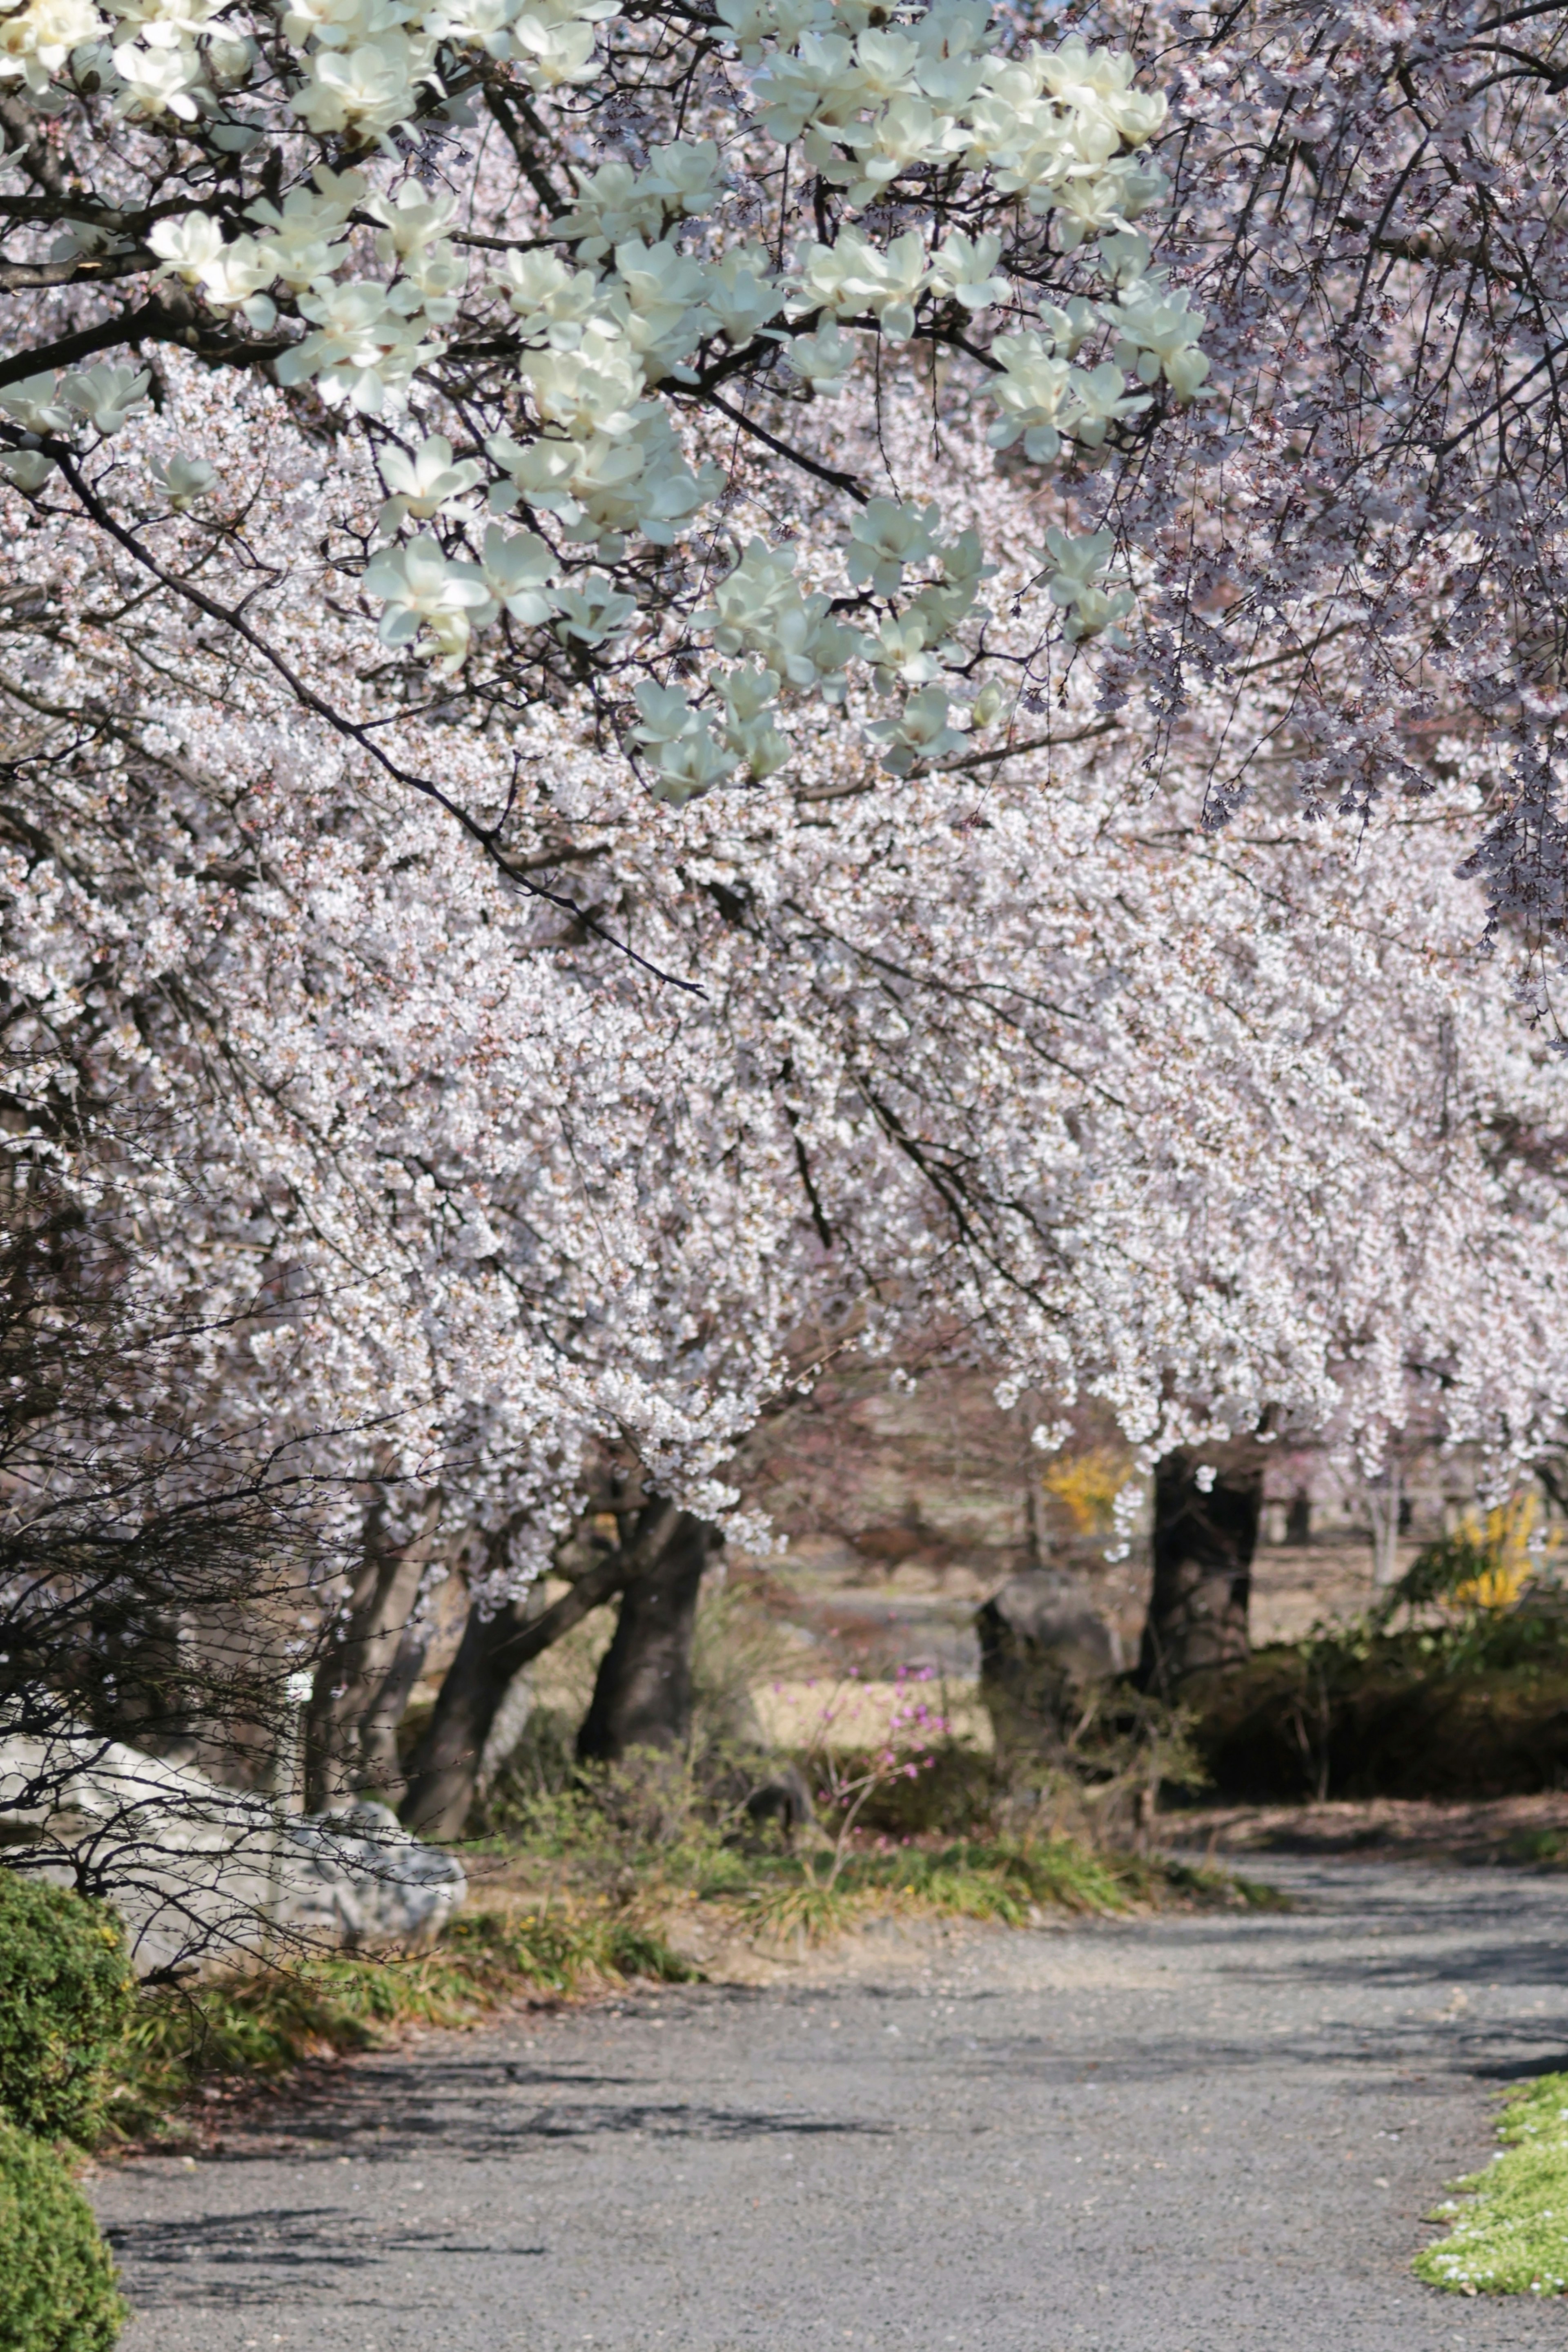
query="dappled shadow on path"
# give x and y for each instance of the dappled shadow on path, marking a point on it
(481, 2108)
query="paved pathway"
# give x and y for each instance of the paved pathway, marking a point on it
(1181, 2135)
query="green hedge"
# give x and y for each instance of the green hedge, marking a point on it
(67, 1997)
(56, 2278)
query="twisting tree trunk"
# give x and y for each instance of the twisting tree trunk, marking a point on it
(381, 1767)
(355, 1685)
(445, 1765)
(1208, 1504)
(643, 1695)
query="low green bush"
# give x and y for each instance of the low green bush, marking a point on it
(1392, 1714)
(56, 2278)
(67, 2000)
(1467, 1698)
(955, 1792)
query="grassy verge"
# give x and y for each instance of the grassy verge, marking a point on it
(256, 2029)
(1017, 1883)
(1510, 2233)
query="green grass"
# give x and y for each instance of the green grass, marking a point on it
(1018, 1882)
(1510, 2233)
(256, 2029)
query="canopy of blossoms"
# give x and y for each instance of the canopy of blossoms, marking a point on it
(1225, 1129)
(622, 633)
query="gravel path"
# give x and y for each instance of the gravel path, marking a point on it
(1178, 2135)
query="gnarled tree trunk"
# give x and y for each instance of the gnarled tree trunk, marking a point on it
(355, 1680)
(1206, 1532)
(444, 1768)
(642, 1694)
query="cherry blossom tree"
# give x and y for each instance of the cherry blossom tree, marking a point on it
(1235, 1131)
(666, 688)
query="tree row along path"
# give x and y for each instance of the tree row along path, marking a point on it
(1182, 2134)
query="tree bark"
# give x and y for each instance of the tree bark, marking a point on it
(642, 1694)
(380, 1771)
(445, 1766)
(1205, 1536)
(361, 1660)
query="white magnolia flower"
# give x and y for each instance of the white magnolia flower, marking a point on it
(815, 84)
(365, 347)
(760, 744)
(666, 714)
(26, 469)
(1101, 81)
(422, 588)
(592, 609)
(106, 397)
(920, 733)
(1099, 399)
(552, 54)
(886, 63)
(884, 537)
(424, 481)
(663, 290)
(760, 586)
(1068, 329)
(187, 245)
(372, 89)
(36, 404)
(1185, 370)
(612, 203)
(689, 765)
(519, 568)
(824, 359)
(993, 702)
(154, 81)
(235, 275)
(594, 389)
(965, 266)
(550, 300)
(747, 692)
(908, 132)
(1029, 391)
(1076, 565)
(1075, 561)
(900, 654)
(183, 480)
(36, 40)
(410, 220)
(1157, 330)
(1095, 612)
(739, 294)
(302, 240)
(891, 282)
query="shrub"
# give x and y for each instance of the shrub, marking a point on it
(955, 1793)
(1452, 1713)
(57, 2279)
(67, 1997)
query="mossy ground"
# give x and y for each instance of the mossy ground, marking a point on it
(1510, 2233)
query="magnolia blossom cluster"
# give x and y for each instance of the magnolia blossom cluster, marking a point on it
(552, 364)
